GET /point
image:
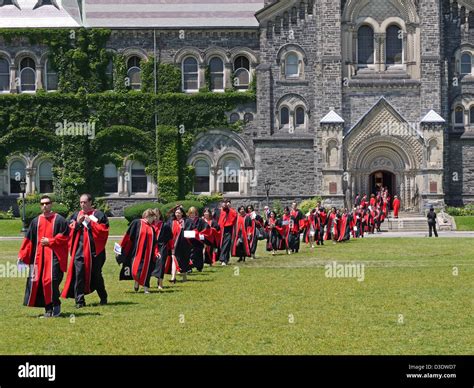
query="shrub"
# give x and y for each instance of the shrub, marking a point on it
(277, 207)
(135, 211)
(33, 199)
(206, 200)
(33, 210)
(468, 210)
(8, 215)
(309, 204)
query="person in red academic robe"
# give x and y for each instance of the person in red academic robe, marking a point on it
(296, 226)
(139, 251)
(322, 223)
(396, 206)
(163, 237)
(344, 226)
(204, 234)
(274, 232)
(285, 222)
(90, 231)
(211, 249)
(372, 201)
(332, 232)
(180, 246)
(364, 202)
(45, 250)
(227, 220)
(240, 236)
(255, 230)
(371, 219)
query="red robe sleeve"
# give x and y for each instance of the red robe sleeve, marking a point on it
(100, 232)
(25, 250)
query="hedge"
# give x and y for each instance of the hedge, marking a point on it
(468, 210)
(33, 210)
(135, 211)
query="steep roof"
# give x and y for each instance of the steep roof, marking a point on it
(171, 13)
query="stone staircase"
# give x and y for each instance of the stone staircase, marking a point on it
(412, 222)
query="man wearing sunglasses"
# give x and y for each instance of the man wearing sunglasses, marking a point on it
(45, 250)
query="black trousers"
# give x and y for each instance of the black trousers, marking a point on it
(432, 228)
(97, 280)
(294, 241)
(57, 279)
(226, 244)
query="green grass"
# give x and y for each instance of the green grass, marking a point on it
(465, 223)
(247, 309)
(12, 228)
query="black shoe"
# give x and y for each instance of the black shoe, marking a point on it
(172, 281)
(238, 261)
(103, 302)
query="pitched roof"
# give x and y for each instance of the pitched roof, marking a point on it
(171, 13)
(332, 118)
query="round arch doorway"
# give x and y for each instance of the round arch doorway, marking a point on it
(380, 179)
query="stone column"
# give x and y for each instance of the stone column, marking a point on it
(30, 180)
(13, 84)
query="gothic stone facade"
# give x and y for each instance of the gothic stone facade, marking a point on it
(350, 94)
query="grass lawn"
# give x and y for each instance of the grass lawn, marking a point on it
(12, 228)
(409, 303)
(465, 223)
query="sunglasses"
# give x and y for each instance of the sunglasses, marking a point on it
(45, 203)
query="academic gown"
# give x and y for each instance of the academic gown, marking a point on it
(47, 263)
(241, 237)
(87, 247)
(163, 237)
(226, 221)
(197, 250)
(210, 251)
(274, 235)
(139, 252)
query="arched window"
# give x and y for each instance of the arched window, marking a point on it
(190, 75)
(284, 116)
(201, 178)
(46, 177)
(110, 178)
(17, 174)
(139, 180)
(291, 65)
(466, 64)
(459, 115)
(27, 75)
(4, 75)
(248, 117)
(109, 74)
(394, 45)
(234, 117)
(471, 115)
(241, 73)
(365, 46)
(216, 67)
(134, 72)
(299, 116)
(50, 76)
(231, 174)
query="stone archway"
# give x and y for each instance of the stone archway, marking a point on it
(390, 159)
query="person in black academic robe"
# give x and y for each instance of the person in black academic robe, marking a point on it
(227, 220)
(296, 224)
(211, 249)
(274, 232)
(90, 231)
(139, 251)
(45, 250)
(255, 230)
(198, 244)
(240, 236)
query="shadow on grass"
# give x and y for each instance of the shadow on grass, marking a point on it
(117, 303)
(155, 291)
(67, 315)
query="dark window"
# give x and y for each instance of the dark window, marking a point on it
(46, 177)
(284, 116)
(17, 174)
(51, 76)
(139, 181)
(292, 65)
(216, 66)
(466, 65)
(248, 117)
(109, 74)
(190, 74)
(234, 117)
(300, 116)
(365, 45)
(472, 115)
(394, 45)
(241, 72)
(134, 72)
(27, 75)
(459, 115)
(231, 173)
(110, 178)
(201, 179)
(4, 75)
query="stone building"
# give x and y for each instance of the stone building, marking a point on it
(351, 94)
